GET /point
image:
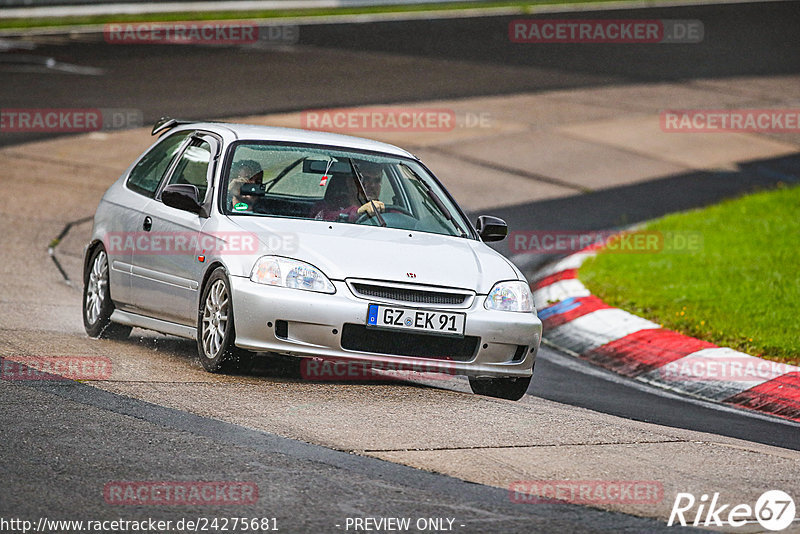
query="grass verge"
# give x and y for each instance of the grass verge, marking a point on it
(525, 6)
(739, 289)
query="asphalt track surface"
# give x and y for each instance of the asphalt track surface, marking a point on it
(59, 430)
(306, 488)
(384, 62)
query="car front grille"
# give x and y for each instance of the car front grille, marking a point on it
(409, 295)
(358, 337)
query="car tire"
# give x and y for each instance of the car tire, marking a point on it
(501, 388)
(97, 305)
(216, 334)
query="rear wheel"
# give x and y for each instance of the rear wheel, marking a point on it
(501, 388)
(97, 304)
(215, 330)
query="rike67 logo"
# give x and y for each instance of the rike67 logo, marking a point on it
(774, 510)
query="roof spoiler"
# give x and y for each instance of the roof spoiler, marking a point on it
(166, 123)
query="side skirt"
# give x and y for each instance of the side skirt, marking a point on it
(148, 323)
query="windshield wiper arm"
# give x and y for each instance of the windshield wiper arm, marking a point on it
(436, 200)
(271, 183)
(432, 194)
(360, 182)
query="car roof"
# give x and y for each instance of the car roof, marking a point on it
(250, 132)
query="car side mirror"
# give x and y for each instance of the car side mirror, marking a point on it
(491, 228)
(183, 197)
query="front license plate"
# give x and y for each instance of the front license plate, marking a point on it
(434, 322)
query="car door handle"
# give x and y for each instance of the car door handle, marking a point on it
(148, 224)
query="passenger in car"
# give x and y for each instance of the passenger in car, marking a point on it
(246, 171)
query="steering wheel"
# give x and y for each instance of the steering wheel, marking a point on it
(390, 209)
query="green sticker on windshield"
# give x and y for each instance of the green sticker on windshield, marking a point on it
(240, 206)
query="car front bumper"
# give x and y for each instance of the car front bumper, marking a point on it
(309, 324)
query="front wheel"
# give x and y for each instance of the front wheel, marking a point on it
(215, 331)
(501, 388)
(97, 304)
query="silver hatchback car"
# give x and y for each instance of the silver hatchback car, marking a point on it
(269, 240)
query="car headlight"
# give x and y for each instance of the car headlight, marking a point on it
(283, 272)
(513, 296)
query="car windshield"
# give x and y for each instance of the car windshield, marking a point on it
(320, 184)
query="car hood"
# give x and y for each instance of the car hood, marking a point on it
(344, 251)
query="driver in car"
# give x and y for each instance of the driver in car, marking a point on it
(341, 196)
(372, 173)
(339, 202)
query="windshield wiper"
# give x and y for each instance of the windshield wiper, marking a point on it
(360, 182)
(272, 183)
(436, 200)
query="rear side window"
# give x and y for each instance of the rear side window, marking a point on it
(147, 174)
